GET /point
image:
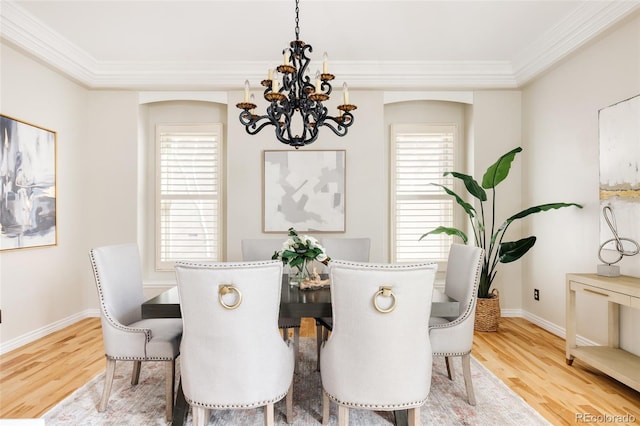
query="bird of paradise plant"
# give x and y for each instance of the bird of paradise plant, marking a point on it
(490, 238)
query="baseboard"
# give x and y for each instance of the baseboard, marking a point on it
(555, 329)
(511, 313)
(46, 330)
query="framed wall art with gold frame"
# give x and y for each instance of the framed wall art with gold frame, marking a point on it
(27, 185)
(619, 134)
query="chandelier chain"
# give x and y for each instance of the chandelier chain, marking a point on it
(297, 21)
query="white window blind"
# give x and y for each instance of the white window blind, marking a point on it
(420, 155)
(189, 200)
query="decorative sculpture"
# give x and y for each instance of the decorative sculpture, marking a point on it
(314, 283)
(610, 269)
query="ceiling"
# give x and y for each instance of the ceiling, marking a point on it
(391, 44)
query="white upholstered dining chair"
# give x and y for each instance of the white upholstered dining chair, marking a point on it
(453, 337)
(378, 356)
(351, 249)
(263, 249)
(127, 337)
(232, 355)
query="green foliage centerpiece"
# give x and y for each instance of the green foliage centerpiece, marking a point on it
(297, 252)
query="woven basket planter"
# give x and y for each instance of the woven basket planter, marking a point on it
(488, 313)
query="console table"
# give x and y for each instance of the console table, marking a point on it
(623, 290)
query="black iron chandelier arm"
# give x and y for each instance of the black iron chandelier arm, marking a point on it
(342, 123)
(251, 125)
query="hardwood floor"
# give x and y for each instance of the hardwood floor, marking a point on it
(531, 361)
(527, 358)
(35, 377)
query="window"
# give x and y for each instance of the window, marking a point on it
(420, 154)
(189, 201)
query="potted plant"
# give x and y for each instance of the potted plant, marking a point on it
(488, 236)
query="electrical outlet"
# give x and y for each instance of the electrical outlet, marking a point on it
(536, 294)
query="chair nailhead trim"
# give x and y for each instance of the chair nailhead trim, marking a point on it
(128, 358)
(467, 312)
(371, 265)
(235, 406)
(451, 353)
(105, 312)
(377, 406)
(227, 265)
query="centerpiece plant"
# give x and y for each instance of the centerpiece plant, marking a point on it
(298, 251)
(486, 233)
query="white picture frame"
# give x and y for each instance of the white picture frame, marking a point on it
(304, 190)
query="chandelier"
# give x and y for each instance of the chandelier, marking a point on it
(296, 107)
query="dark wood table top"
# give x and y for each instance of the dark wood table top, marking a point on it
(294, 303)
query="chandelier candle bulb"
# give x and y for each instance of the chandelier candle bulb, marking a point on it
(345, 93)
(318, 89)
(246, 90)
(325, 63)
(287, 55)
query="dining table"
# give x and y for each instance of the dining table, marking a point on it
(294, 303)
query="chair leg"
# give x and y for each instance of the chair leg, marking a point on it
(466, 372)
(326, 405)
(268, 415)
(135, 374)
(319, 335)
(343, 415)
(296, 348)
(414, 416)
(200, 416)
(169, 387)
(449, 362)
(285, 334)
(325, 337)
(108, 381)
(289, 404)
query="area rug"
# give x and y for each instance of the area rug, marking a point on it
(143, 405)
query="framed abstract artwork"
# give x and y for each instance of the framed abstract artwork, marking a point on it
(27, 185)
(304, 190)
(619, 133)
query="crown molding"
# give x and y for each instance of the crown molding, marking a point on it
(21, 29)
(582, 25)
(24, 31)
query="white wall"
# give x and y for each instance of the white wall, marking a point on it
(496, 131)
(43, 289)
(42, 286)
(366, 190)
(561, 162)
(99, 158)
(108, 188)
